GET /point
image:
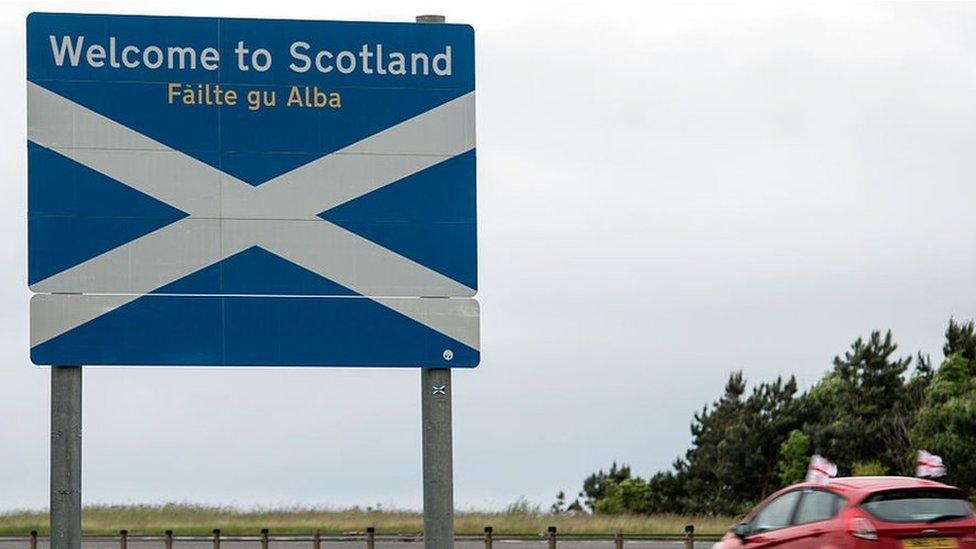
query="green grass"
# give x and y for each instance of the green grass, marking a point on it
(187, 520)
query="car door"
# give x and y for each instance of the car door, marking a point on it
(814, 517)
(772, 525)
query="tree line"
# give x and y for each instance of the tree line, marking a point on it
(869, 414)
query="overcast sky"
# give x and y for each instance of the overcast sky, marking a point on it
(667, 192)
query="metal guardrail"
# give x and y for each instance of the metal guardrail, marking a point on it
(369, 538)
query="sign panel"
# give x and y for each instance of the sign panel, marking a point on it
(257, 331)
(174, 156)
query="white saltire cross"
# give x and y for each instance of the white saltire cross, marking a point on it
(227, 215)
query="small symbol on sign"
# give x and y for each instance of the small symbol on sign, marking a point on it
(448, 354)
(440, 389)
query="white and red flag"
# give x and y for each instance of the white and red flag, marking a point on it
(929, 465)
(821, 470)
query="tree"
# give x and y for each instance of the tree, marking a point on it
(559, 507)
(702, 467)
(734, 458)
(960, 340)
(772, 412)
(668, 493)
(631, 496)
(794, 457)
(596, 485)
(863, 407)
(946, 424)
(871, 468)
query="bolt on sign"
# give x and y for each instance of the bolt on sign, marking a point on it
(211, 191)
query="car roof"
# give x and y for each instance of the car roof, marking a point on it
(865, 485)
(856, 489)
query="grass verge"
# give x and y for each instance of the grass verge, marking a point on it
(190, 520)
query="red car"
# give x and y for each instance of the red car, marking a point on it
(860, 513)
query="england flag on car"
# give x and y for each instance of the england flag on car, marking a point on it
(821, 470)
(929, 465)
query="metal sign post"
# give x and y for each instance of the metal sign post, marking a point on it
(66, 457)
(438, 454)
(435, 387)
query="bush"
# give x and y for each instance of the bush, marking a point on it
(794, 457)
(869, 469)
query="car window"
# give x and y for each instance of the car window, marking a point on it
(776, 514)
(928, 505)
(817, 505)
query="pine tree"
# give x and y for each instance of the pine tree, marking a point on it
(862, 405)
(947, 421)
(559, 506)
(960, 340)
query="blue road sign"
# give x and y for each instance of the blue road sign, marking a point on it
(300, 178)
